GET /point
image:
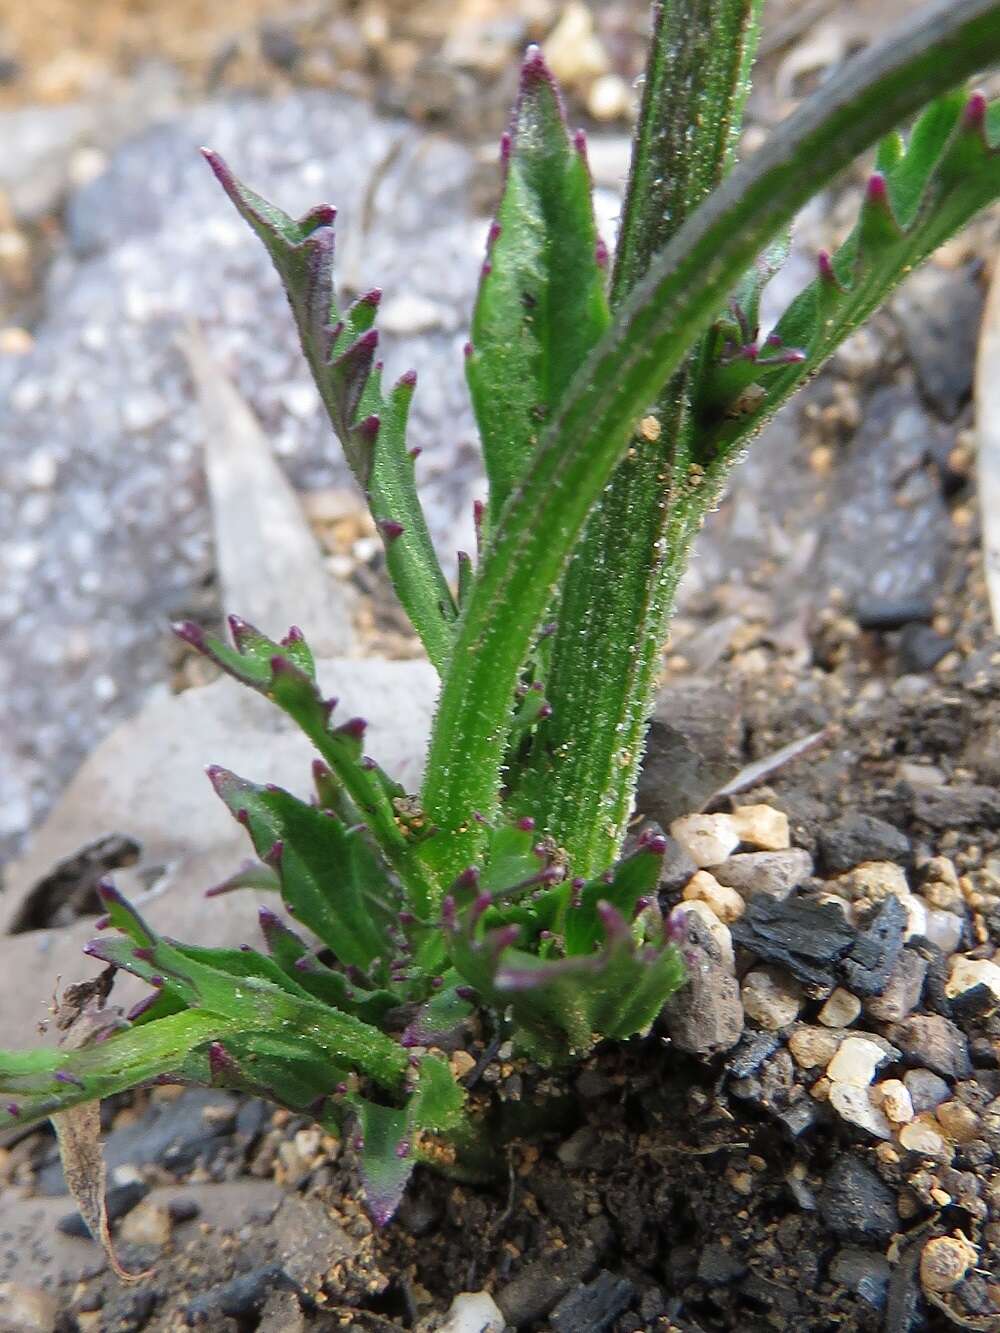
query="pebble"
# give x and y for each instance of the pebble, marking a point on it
(894, 1098)
(855, 1204)
(806, 937)
(725, 902)
(708, 839)
(923, 1136)
(473, 1312)
(874, 880)
(927, 1090)
(149, 1223)
(592, 1307)
(27, 1309)
(864, 1273)
(944, 929)
(903, 990)
(855, 1105)
(610, 98)
(762, 827)
(944, 808)
(944, 1262)
(958, 1121)
(716, 928)
(771, 998)
(840, 1010)
(855, 1062)
(967, 973)
(773, 873)
(706, 1015)
(676, 868)
(920, 648)
(573, 49)
(812, 1047)
(933, 1042)
(855, 838)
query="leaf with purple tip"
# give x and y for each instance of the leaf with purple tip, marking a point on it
(541, 306)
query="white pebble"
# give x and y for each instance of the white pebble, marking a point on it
(921, 1137)
(474, 1312)
(707, 839)
(855, 1106)
(770, 999)
(894, 1098)
(944, 929)
(718, 931)
(856, 1062)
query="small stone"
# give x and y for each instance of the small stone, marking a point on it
(840, 1010)
(944, 808)
(855, 838)
(927, 1090)
(591, 1308)
(716, 928)
(856, 1061)
(773, 873)
(864, 1273)
(944, 929)
(903, 990)
(762, 827)
(610, 98)
(573, 48)
(726, 903)
(27, 1309)
(149, 1223)
(920, 648)
(944, 1262)
(924, 1137)
(855, 1105)
(813, 1047)
(967, 973)
(706, 1015)
(802, 935)
(676, 868)
(855, 1204)
(894, 1099)
(473, 1312)
(935, 1042)
(708, 839)
(958, 1121)
(873, 880)
(771, 998)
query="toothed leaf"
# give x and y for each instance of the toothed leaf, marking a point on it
(541, 306)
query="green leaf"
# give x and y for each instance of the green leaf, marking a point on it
(352, 784)
(329, 882)
(923, 192)
(340, 349)
(654, 332)
(541, 306)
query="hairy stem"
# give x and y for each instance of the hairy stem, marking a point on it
(656, 328)
(620, 582)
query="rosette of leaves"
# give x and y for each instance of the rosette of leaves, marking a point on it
(503, 899)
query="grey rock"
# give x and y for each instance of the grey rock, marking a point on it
(856, 1205)
(934, 1042)
(864, 1273)
(938, 311)
(921, 648)
(902, 991)
(884, 613)
(943, 808)
(706, 1015)
(593, 1306)
(927, 1090)
(719, 1267)
(886, 530)
(242, 1298)
(544, 1282)
(806, 937)
(101, 442)
(773, 873)
(753, 1049)
(856, 837)
(693, 747)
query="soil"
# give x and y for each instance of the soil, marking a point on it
(696, 1189)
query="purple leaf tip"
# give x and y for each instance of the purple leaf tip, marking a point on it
(408, 379)
(526, 825)
(190, 633)
(974, 115)
(390, 529)
(876, 191)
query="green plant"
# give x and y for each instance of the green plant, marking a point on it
(610, 408)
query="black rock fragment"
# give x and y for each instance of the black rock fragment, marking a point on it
(594, 1306)
(855, 837)
(808, 938)
(864, 1273)
(873, 955)
(856, 1205)
(241, 1298)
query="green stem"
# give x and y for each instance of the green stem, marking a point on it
(686, 285)
(619, 587)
